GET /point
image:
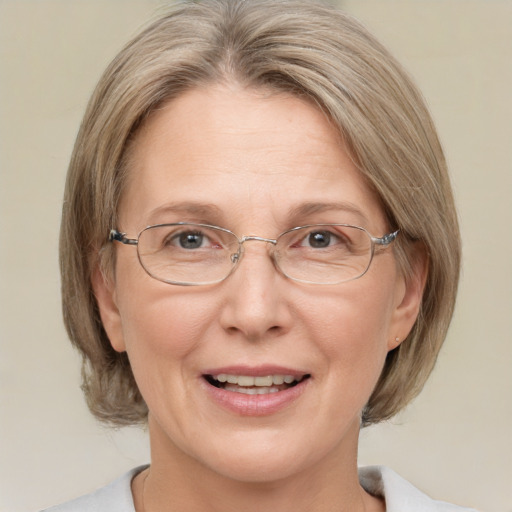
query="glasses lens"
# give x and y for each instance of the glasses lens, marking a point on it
(187, 253)
(325, 253)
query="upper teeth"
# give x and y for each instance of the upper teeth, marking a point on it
(247, 380)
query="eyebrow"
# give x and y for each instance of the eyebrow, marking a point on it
(306, 209)
(208, 213)
(200, 211)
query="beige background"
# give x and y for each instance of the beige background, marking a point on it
(454, 442)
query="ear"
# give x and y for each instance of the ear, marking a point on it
(409, 294)
(104, 291)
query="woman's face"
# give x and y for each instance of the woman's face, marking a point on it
(257, 164)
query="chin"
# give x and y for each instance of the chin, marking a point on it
(258, 466)
(264, 457)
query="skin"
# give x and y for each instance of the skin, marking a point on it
(244, 151)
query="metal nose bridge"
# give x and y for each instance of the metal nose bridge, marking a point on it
(235, 258)
(257, 238)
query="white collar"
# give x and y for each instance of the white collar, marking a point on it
(399, 494)
(380, 481)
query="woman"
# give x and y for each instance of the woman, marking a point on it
(259, 254)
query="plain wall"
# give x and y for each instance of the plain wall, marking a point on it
(454, 441)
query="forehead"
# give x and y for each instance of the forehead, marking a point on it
(250, 155)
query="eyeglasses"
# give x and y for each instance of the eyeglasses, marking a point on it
(199, 254)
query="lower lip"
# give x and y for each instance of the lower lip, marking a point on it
(256, 405)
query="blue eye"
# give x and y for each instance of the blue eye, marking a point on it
(185, 240)
(319, 239)
(190, 240)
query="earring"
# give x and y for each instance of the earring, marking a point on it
(397, 339)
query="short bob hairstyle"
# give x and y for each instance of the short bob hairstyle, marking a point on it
(303, 48)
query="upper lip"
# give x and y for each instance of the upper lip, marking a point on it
(257, 371)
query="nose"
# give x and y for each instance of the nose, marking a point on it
(257, 302)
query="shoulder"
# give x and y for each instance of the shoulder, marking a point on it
(114, 497)
(399, 494)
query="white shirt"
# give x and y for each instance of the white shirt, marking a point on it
(400, 495)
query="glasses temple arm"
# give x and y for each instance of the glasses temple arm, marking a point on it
(387, 239)
(116, 236)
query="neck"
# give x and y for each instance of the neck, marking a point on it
(176, 481)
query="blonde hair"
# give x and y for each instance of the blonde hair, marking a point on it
(300, 47)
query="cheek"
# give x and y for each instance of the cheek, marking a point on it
(164, 332)
(158, 320)
(163, 324)
(352, 329)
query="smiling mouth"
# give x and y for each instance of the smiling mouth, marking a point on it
(250, 385)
